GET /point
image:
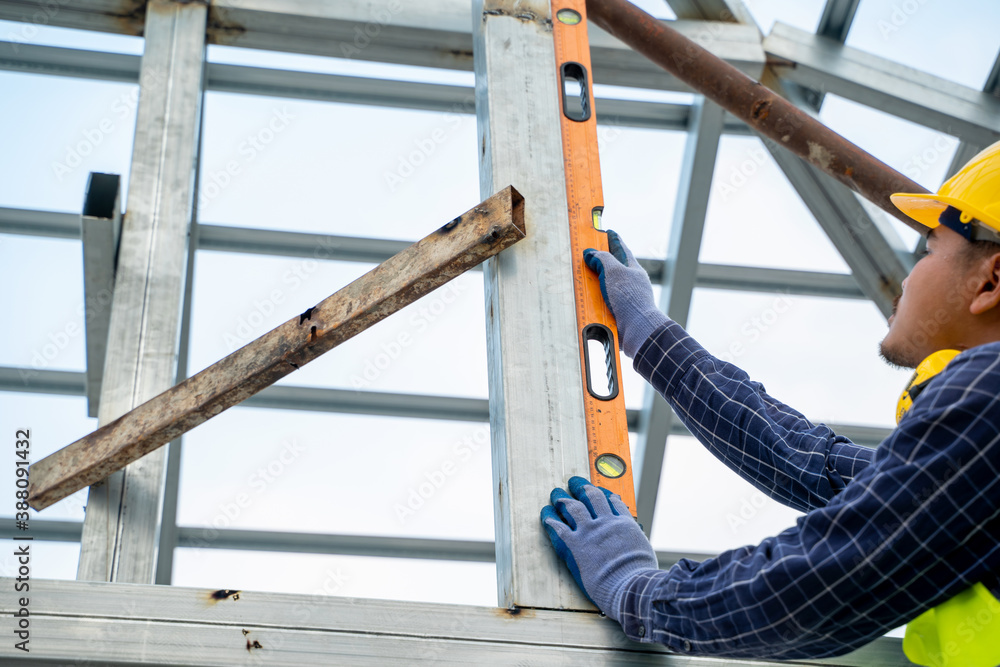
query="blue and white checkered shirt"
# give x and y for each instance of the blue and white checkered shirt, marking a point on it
(888, 533)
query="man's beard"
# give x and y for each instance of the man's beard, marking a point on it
(893, 357)
(896, 358)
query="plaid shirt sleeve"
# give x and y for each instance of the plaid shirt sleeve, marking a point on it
(889, 533)
(764, 441)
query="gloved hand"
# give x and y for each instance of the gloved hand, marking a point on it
(599, 541)
(628, 293)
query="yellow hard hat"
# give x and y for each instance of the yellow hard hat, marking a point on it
(974, 191)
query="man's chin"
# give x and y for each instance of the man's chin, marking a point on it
(895, 357)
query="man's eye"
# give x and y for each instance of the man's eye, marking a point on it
(922, 253)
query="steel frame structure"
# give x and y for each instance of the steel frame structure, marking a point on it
(86, 620)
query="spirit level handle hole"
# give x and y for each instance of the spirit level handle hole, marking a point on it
(576, 92)
(599, 359)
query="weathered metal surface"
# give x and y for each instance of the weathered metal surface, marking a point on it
(538, 432)
(89, 623)
(456, 247)
(124, 517)
(437, 34)
(758, 106)
(124, 17)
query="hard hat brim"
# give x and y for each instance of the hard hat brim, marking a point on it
(927, 208)
(924, 208)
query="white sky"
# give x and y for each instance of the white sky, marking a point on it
(325, 172)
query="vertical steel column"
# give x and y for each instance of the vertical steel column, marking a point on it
(838, 15)
(536, 406)
(679, 273)
(100, 231)
(121, 529)
(172, 480)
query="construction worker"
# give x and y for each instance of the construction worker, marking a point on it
(911, 528)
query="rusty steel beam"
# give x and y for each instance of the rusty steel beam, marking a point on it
(759, 107)
(463, 243)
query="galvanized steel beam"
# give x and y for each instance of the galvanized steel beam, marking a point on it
(224, 238)
(862, 236)
(98, 623)
(878, 259)
(50, 224)
(423, 34)
(121, 529)
(320, 399)
(240, 79)
(42, 381)
(374, 546)
(838, 15)
(732, 11)
(678, 280)
(100, 231)
(172, 478)
(537, 421)
(940, 104)
(62, 61)
(757, 279)
(123, 17)
(438, 35)
(967, 150)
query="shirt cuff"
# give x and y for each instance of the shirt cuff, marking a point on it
(637, 616)
(636, 620)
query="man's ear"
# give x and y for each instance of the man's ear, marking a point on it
(987, 294)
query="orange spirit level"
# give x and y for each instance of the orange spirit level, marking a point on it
(604, 402)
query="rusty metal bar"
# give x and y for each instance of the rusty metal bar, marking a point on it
(759, 107)
(461, 244)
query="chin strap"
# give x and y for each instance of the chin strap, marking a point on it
(968, 226)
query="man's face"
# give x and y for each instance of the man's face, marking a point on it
(930, 314)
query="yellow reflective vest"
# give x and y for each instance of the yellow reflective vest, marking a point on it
(962, 632)
(965, 630)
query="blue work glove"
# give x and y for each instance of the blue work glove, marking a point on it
(596, 536)
(628, 293)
